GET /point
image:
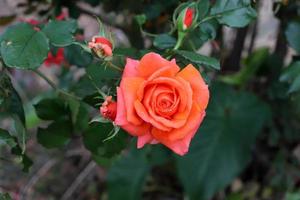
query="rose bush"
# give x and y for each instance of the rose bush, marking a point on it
(158, 103)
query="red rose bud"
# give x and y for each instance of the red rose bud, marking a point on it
(101, 46)
(109, 109)
(186, 18)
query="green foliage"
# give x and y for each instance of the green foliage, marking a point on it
(51, 109)
(11, 102)
(127, 176)
(292, 75)
(252, 65)
(292, 196)
(57, 134)
(75, 55)
(199, 60)
(101, 75)
(6, 139)
(292, 34)
(60, 33)
(95, 140)
(23, 47)
(5, 196)
(164, 41)
(240, 117)
(234, 13)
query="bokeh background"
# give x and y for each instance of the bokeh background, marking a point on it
(71, 173)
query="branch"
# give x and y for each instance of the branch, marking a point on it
(26, 191)
(87, 170)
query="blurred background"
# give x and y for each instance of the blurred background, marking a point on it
(71, 172)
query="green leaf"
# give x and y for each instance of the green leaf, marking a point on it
(292, 75)
(252, 64)
(19, 132)
(6, 139)
(79, 115)
(141, 19)
(23, 47)
(202, 8)
(292, 196)
(201, 34)
(199, 59)
(56, 135)
(102, 75)
(291, 72)
(164, 41)
(295, 86)
(234, 13)
(24, 159)
(60, 33)
(5, 196)
(11, 101)
(75, 55)
(127, 52)
(221, 148)
(292, 34)
(127, 176)
(94, 140)
(51, 109)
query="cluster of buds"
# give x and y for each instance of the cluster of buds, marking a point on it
(101, 45)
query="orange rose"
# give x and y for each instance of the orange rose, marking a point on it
(158, 103)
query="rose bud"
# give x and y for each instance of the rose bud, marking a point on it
(186, 18)
(101, 46)
(109, 109)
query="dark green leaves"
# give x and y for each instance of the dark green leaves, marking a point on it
(292, 34)
(50, 109)
(221, 148)
(94, 140)
(23, 47)
(75, 55)
(164, 41)
(60, 33)
(127, 176)
(234, 13)
(199, 59)
(69, 117)
(55, 135)
(102, 75)
(5, 196)
(26, 47)
(292, 75)
(11, 102)
(6, 139)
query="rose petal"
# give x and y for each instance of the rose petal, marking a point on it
(200, 89)
(130, 69)
(129, 89)
(122, 121)
(152, 62)
(178, 140)
(141, 111)
(144, 139)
